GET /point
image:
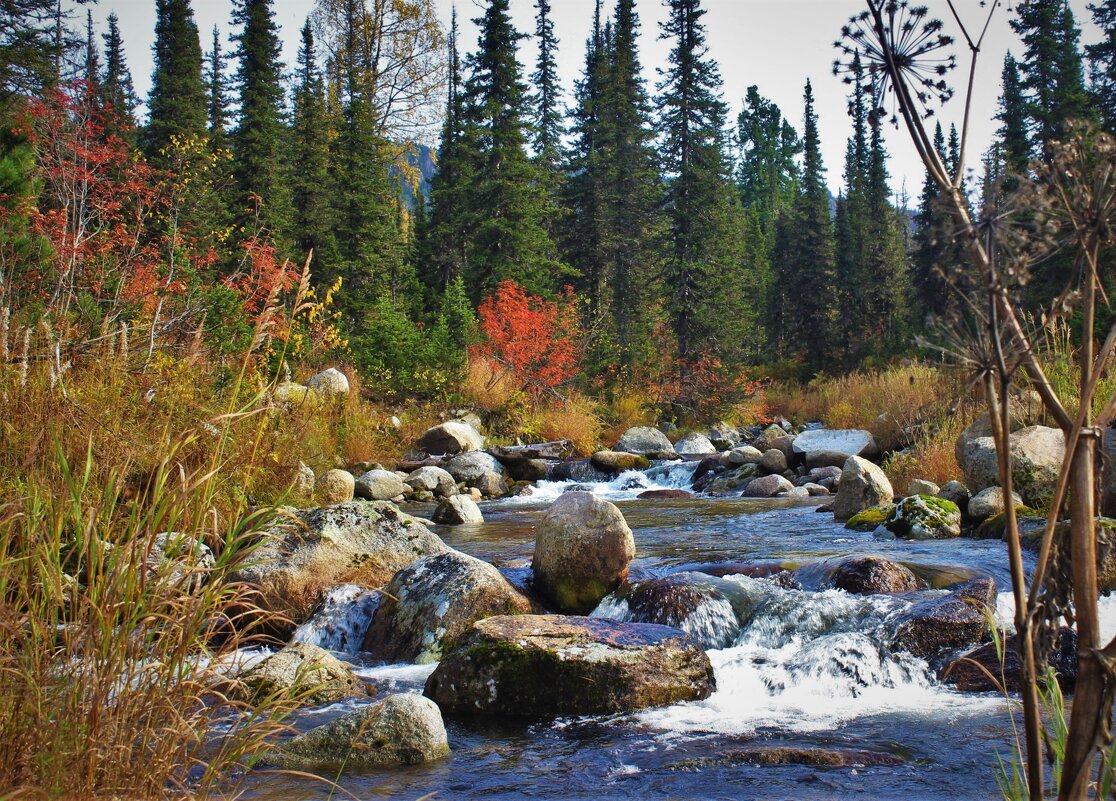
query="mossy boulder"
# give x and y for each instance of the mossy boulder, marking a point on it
(545, 665)
(993, 528)
(402, 729)
(613, 462)
(924, 517)
(431, 602)
(958, 620)
(871, 518)
(1036, 457)
(305, 670)
(583, 549)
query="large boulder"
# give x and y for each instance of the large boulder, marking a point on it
(920, 486)
(457, 510)
(989, 503)
(869, 575)
(613, 462)
(331, 382)
(924, 517)
(723, 436)
(981, 427)
(528, 469)
(581, 470)
(431, 602)
(851, 442)
(773, 461)
(958, 493)
(434, 480)
(644, 440)
(402, 729)
(334, 486)
(696, 444)
(452, 437)
(379, 485)
(470, 466)
(546, 665)
(767, 487)
(583, 548)
(862, 485)
(357, 543)
(958, 620)
(305, 670)
(871, 518)
(745, 454)
(1037, 453)
(708, 608)
(490, 485)
(1105, 529)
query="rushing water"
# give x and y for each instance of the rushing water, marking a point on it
(803, 668)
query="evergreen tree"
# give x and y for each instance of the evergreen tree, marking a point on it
(177, 102)
(116, 81)
(931, 240)
(802, 306)
(1052, 71)
(217, 109)
(1102, 62)
(92, 73)
(851, 225)
(705, 238)
(445, 235)
(257, 142)
(547, 140)
(33, 41)
(1012, 114)
(767, 172)
(310, 179)
(509, 239)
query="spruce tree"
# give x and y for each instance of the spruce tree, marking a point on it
(177, 102)
(851, 226)
(931, 292)
(310, 179)
(1102, 62)
(92, 71)
(510, 240)
(547, 117)
(257, 142)
(767, 172)
(802, 303)
(1012, 115)
(217, 108)
(116, 81)
(705, 237)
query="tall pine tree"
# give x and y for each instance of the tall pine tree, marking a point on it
(705, 238)
(258, 140)
(116, 82)
(1102, 62)
(802, 302)
(177, 102)
(767, 172)
(1012, 115)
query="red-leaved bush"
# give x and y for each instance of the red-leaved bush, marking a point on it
(533, 337)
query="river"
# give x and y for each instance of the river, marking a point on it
(806, 670)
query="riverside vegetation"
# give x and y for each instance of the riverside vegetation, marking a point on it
(221, 323)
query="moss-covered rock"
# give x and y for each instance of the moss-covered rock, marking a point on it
(613, 462)
(403, 729)
(924, 517)
(870, 519)
(993, 527)
(545, 665)
(305, 670)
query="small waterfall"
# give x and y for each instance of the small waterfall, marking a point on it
(341, 621)
(629, 484)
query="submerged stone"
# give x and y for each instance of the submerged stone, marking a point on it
(546, 665)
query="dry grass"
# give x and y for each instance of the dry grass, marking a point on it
(931, 457)
(489, 387)
(575, 418)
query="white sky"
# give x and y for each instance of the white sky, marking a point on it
(774, 44)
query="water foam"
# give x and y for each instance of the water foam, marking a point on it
(625, 486)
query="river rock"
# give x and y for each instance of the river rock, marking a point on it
(1105, 529)
(331, 382)
(920, 486)
(665, 495)
(1037, 453)
(958, 493)
(767, 487)
(815, 490)
(862, 486)
(450, 438)
(981, 427)
(402, 729)
(334, 486)
(970, 677)
(468, 467)
(379, 485)
(434, 480)
(871, 518)
(723, 436)
(695, 444)
(457, 510)
(491, 485)
(989, 503)
(430, 603)
(644, 440)
(773, 461)
(955, 621)
(357, 543)
(613, 462)
(545, 665)
(850, 442)
(301, 668)
(527, 469)
(706, 607)
(924, 517)
(745, 454)
(578, 470)
(583, 548)
(869, 575)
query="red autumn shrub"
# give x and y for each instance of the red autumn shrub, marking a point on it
(531, 336)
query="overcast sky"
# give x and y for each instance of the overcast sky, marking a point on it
(773, 44)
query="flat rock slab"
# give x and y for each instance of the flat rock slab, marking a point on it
(849, 441)
(547, 665)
